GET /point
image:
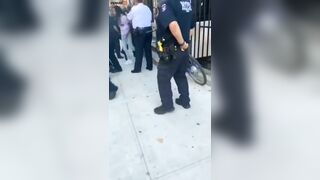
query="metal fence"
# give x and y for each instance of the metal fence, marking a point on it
(201, 39)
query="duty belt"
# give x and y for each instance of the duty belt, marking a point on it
(143, 29)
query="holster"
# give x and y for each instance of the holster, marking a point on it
(166, 51)
(138, 31)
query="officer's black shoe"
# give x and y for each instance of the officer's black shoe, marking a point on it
(135, 71)
(115, 70)
(112, 70)
(163, 110)
(241, 135)
(184, 105)
(150, 69)
(112, 94)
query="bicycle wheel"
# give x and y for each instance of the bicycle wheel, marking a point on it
(196, 72)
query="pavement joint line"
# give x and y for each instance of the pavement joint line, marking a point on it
(126, 100)
(194, 164)
(139, 143)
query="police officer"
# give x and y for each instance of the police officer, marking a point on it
(174, 22)
(141, 17)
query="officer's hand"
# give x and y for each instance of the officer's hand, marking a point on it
(184, 47)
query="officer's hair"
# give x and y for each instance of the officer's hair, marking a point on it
(139, 1)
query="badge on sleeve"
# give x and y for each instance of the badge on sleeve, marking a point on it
(186, 6)
(164, 7)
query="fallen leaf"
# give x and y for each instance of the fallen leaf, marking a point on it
(160, 140)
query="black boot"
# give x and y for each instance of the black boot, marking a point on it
(181, 103)
(163, 110)
(240, 133)
(112, 90)
(11, 89)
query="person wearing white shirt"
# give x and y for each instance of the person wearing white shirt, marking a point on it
(141, 18)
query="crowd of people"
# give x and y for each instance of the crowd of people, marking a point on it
(175, 21)
(130, 38)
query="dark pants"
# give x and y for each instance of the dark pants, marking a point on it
(17, 13)
(11, 88)
(177, 69)
(229, 63)
(112, 56)
(119, 50)
(90, 12)
(142, 43)
(112, 87)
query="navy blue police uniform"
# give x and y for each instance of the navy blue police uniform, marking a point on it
(174, 65)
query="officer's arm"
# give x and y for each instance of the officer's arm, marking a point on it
(130, 15)
(176, 31)
(168, 20)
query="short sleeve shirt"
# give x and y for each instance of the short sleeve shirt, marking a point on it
(176, 10)
(140, 15)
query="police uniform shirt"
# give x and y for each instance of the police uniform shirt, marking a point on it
(140, 15)
(177, 10)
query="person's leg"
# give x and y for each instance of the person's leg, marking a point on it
(112, 90)
(230, 73)
(112, 87)
(166, 70)
(125, 54)
(148, 50)
(129, 42)
(113, 58)
(139, 43)
(129, 46)
(124, 44)
(17, 15)
(181, 78)
(90, 14)
(11, 89)
(164, 85)
(133, 40)
(118, 48)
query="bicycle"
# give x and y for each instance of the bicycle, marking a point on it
(196, 72)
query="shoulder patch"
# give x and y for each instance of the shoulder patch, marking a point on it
(186, 6)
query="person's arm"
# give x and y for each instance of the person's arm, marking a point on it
(168, 20)
(176, 32)
(130, 15)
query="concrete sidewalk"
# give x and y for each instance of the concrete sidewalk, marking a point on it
(144, 146)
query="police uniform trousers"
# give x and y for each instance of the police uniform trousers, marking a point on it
(142, 43)
(176, 69)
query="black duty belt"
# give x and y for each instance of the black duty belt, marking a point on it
(143, 29)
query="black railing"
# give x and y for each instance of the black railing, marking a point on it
(201, 39)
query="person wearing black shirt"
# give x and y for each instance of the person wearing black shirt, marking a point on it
(114, 35)
(175, 21)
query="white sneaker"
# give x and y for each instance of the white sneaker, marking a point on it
(128, 62)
